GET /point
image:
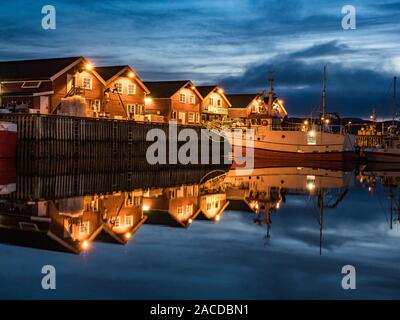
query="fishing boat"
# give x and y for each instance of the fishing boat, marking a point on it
(318, 140)
(8, 140)
(389, 150)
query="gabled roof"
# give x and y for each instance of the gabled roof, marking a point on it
(40, 69)
(110, 73)
(206, 90)
(241, 100)
(166, 89)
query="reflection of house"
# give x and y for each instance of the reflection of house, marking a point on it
(215, 105)
(71, 86)
(174, 100)
(177, 207)
(71, 225)
(213, 205)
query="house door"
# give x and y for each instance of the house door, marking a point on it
(44, 105)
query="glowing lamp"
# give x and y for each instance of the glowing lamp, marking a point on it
(85, 245)
(128, 235)
(131, 75)
(146, 208)
(89, 67)
(190, 221)
(148, 100)
(217, 218)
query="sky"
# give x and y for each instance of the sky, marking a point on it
(228, 42)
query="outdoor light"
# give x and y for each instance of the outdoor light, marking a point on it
(190, 221)
(146, 208)
(148, 100)
(312, 133)
(217, 218)
(128, 235)
(131, 75)
(85, 245)
(327, 121)
(306, 122)
(89, 67)
(221, 91)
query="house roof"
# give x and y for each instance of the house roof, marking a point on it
(165, 89)
(206, 90)
(40, 69)
(108, 72)
(241, 100)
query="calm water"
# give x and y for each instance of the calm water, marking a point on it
(279, 233)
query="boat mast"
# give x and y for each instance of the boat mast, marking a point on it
(394, 101)
(324, 95)
(271, 90)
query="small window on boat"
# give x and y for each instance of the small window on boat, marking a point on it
(31, 84)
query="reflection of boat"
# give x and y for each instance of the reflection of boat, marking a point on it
(8, 140)
(7, 176)
(309, 141)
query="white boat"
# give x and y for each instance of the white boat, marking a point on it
(319, 141)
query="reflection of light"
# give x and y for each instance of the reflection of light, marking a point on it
(257, 206)
(88, 67)
(312, 133)
(278, 205)
(190, 221)
(310, 186)
(217, 218)
(128, 235)
(85, 245)
(148, 100)
(131, 75)
(370, 189)
(146, 208)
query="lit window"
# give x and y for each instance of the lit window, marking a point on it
(131, 89)
(211, 101)
(31, 84)
(96, 105)
(192, 100)
(179, 210)
(117, 222)
(191, 117)
(189, 209)
(129, 220)
(87, 83)
(84, 227)
(173, 115)
(197, 117)
(189, 191)
(119, 87)
(182, 98)
(219, 102)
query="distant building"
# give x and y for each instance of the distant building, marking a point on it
(215, 104)
(178, 101)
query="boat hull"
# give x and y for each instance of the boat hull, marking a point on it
(8, 140)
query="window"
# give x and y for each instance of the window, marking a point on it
(31, 84)
(192, 99)
(119, 87)
(173, 115)
(211, 102)
(92, 206)
(191, 117)
(87, 83)
(182, 116)
(131, 108)
(129, 220)
(189, 191)
(131, 89)
(96, 105)
(117, 222)
(84, 228)
(179, 210)
(219, 102)
(198, 117)
(208, 206)
(182, 98)
(189, 209)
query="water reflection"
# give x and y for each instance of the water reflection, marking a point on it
(69, 213)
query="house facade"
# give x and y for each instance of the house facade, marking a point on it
(178, 101)
(215, 104)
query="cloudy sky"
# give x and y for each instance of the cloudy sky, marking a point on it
(230, 42)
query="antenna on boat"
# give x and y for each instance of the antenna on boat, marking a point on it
(324, 95)
(271, 89)
(394, 101)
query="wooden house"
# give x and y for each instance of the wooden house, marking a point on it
(178, 101)
(215, 104)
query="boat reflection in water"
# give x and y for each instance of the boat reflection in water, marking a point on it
(47, 209)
